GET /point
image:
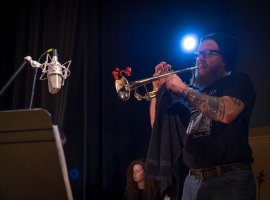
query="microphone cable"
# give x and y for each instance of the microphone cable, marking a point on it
(34, 81)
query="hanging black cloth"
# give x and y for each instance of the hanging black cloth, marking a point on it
(168, 138)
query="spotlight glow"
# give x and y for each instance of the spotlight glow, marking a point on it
(189, 43)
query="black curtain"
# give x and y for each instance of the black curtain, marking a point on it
(73, 28)
(104, 134)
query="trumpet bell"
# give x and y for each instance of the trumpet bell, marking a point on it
(122, 88)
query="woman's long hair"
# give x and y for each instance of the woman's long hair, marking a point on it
(152, 187)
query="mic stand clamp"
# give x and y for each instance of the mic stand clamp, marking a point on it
(33, 63)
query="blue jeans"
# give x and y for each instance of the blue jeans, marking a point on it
(233, 185)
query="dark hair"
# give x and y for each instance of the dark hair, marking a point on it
(228, 47)
(151, 186)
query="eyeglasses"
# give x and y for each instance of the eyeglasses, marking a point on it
(205, 53)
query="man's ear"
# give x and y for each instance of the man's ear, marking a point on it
(225, 64)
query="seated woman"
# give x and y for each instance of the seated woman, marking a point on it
(138, 186)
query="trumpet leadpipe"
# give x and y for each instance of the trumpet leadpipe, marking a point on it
(138, 83)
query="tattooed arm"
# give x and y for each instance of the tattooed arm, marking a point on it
(224, 109)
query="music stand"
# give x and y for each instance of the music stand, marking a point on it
(32, 163)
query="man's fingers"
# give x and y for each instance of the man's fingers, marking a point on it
(166, 67)
(159, 67)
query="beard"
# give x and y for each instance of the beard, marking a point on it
(209, 77)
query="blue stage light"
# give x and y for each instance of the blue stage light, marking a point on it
(74, 173)
(189, 42)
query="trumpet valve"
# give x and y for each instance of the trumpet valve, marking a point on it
(167, 70)
(170, 70)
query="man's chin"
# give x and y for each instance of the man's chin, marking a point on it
(205, 78)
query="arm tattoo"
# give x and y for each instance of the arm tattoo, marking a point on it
(236, 101)
(212, 107)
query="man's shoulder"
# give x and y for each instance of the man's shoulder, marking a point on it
(241, 75)
(236, 77)
(238, 85)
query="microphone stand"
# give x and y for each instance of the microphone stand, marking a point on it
(34, 64)
(33, 89)
(13, 77)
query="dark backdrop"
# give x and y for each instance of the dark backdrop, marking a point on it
(104, 134)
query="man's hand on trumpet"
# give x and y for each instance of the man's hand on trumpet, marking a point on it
(159, 69)
(173, 82)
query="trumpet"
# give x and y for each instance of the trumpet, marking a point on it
(123, 87)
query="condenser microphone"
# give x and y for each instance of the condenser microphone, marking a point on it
(54, 74)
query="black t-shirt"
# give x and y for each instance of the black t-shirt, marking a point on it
(211, 143)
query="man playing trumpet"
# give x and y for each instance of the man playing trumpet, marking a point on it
(216, 150)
